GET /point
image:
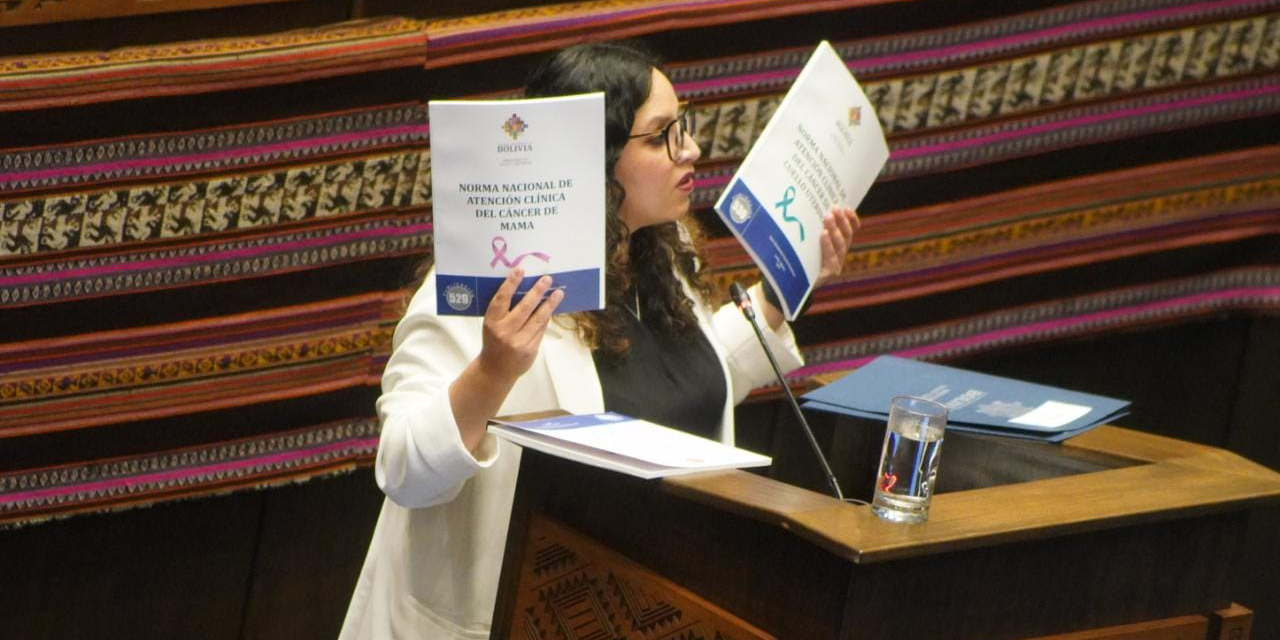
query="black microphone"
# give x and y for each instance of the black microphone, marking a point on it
(743, 301)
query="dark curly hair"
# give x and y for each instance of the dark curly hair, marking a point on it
(654, 258)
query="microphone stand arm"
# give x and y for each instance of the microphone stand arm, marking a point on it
(745, 306)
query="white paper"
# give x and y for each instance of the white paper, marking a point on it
(653, 443)
(518, 183)
(617, 442)
(1052, 414)
(823, 147)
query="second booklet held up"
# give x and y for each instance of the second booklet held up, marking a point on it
(518, 183)
(822, 147)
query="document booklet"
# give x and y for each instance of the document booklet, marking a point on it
(822, 147)
(627, 445)
(975, 401)
(518, 183)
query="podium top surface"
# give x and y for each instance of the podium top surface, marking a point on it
(1162, 479)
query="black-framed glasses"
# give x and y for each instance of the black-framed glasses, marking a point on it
(674, 132)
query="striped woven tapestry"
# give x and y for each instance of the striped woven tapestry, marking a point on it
(204, 246)
(201, 300)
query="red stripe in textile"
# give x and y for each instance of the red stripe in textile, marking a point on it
(167, 476)
(266, 149)
(1213, 299)
(352, 311)
(186, 397)
(171, 87)
(466, 45)
(161, 263)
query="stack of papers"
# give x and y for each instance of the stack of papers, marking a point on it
(627, 445)
(976, 402)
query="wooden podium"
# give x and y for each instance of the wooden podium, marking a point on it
(1136, 541)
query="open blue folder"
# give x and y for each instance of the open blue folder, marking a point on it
(976, 402)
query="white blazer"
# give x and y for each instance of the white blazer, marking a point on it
(432, 567)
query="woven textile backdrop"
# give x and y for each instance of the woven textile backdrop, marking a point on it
(203, 245)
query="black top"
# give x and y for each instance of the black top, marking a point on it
(675, 381)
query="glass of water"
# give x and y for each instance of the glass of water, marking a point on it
(909, 460)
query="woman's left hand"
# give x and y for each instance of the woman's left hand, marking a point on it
(838, 227)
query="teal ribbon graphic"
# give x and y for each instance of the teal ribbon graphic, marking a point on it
(787, 198)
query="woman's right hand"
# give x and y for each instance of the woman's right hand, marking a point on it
(510, 341)
(512, 334)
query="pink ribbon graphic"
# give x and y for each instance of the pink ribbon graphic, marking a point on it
(500, 254)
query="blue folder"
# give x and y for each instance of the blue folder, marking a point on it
(976, 402)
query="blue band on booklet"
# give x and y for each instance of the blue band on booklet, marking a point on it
(767, 243)
(575, 421)
(470, 296)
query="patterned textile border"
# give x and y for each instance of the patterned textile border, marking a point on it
(1251, 289)
(518, 31)
(1079, 126)
(33, 495)
(211, 363)
(244, 331)
(276, 252)
(1083, 72)
(221, 150)
(35, 82)
(1025, 36)
(213, 205)
(1013, 138)
(1015, 86)
(943, 247)
(1247, 184)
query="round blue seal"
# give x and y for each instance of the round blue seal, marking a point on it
(740, 208)
(459, 296)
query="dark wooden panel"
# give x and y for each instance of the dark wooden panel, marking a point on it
(1053, 586)
(1256, 413)
(574, 588)
(310, 550)
(675, 538)
(178, 570)
(1108, 572)
(1255, 434)
(273, 564)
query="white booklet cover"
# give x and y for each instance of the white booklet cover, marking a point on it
(822, 147)
(518, 182)
(624, 444)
